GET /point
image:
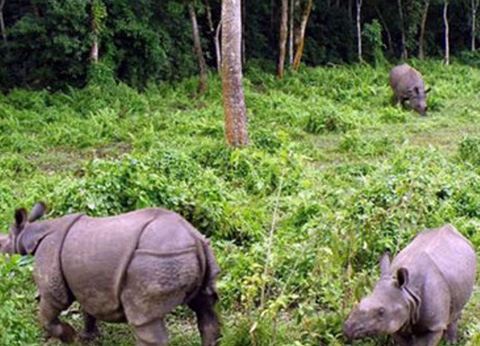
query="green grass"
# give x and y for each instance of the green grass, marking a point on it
(349, 175)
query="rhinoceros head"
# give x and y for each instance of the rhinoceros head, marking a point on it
(8, 243)
(386, 310)
(418, 99)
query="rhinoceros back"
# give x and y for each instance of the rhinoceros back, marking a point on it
(447, 251)
(95, 256)
(403, 78)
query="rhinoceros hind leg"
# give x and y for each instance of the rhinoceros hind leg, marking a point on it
(207, 319)
(153, 333)
(49, 318)
(90, 330)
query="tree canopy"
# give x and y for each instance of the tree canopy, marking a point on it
(48, 43)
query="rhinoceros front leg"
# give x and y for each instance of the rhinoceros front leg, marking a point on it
(451, 332)
(49, 318)
(403, 340)
(153, 333)
(90, 330)
(207, 319)
(429, 339)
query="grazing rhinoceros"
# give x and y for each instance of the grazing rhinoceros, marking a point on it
(407, 84)
(421, 294)
(135, 268)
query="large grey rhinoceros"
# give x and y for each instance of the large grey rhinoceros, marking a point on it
(407, 84)
(421, 294)
(135, 268)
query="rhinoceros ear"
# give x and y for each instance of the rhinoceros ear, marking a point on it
(385, 264)
(20, 220)
(402, 277)
(37, 211)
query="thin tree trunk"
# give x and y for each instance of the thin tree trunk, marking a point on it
(349, 9)
(232, 89)
(213, 33)
(208, 10)
(283, 39)
(359, 30)
(217, 47)
(421, 41)
(385, 26)
(2, 22)
(447, 33)
(202, 85)
(303, 27)
(244, 14)
(290, 34)
(474, 8)
(94, 26)
(404, 53)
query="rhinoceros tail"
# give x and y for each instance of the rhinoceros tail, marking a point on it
(212, 270)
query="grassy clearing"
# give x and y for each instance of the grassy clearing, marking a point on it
(351, 175)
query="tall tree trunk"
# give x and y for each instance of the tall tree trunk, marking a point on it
(217, 47)
(359, 29)
(473, 14)
(95, 30)
(2, 22)
(303, 27)
(349, 9)
(421, 41)
(202, 85)
(290, 33)
(385, 27)
(447, 33)
(404, 53)
(232, 89)
(283, 39)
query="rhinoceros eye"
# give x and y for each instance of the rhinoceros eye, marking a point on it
(381, 312)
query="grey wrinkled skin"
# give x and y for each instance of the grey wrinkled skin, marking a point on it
(135, 268)
(420, 295)
(407, 84)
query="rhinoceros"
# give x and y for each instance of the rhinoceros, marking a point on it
(134, 267)
(420, 295)
(407, 84)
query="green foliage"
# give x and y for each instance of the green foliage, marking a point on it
(17, 315)
(469, 150)
(373, 33)
(334, 177)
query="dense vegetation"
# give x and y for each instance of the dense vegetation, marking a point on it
(47, 43)
(334, 176)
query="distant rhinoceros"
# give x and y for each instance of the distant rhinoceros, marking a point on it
(135, 268)
(407, 84)
(421, 294)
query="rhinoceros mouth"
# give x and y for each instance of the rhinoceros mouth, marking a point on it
(360, 333)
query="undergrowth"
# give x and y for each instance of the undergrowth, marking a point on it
(334, 176)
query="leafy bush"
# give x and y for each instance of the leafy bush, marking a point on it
(469, 150)
(17, 315)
